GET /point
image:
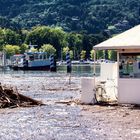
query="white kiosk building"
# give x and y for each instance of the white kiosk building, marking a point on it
(126, 72)
(127, 45)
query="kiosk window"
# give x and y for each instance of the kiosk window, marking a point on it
(129, 65)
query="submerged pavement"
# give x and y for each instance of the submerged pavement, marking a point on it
(60, 119)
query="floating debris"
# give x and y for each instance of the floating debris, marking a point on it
(10, 97)
(69, 102)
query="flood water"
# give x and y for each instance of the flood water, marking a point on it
(59, 119)
(77, 70)
(53, 121)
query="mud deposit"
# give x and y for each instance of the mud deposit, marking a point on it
(64, 121)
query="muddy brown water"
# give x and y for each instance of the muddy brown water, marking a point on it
(59, 121)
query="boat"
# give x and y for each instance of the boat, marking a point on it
(30, 61)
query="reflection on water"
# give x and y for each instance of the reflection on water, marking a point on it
(77, 70)
(80, 70)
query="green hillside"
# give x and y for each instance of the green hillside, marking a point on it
(76, 24)
(89, 16)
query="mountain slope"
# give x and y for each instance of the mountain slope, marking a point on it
(89, 16)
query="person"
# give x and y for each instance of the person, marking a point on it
(121, 70)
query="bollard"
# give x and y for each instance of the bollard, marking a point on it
(68, 66)
(25, 62)
(52, 63)
(69, 69)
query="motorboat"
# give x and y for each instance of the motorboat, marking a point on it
(30, 61)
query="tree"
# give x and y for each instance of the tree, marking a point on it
(65, 50)
(75, 43)
(2, 39)
(112, 55)
(23, 48)
(100, 54)
(89, 41)
(48, 48)
(58, 39)
(92, 52)
(11, 37)
(71, 54)
(83, 54)
(47, 35)
(11, 50)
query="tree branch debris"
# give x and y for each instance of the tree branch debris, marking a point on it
(10, 97)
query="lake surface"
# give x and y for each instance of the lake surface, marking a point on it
(77, 70)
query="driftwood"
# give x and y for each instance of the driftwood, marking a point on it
(11, 98)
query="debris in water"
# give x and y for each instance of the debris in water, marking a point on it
(69, 102)
(11, 98)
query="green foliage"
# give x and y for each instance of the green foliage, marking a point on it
(112, 55)
(2, 39)
(100, 54)
(65, 50)
(92, 52)
(90, 16)
(55, 36)
(71, 54)
(23, 48)
(11, 37)
(11, 50)
(75, 43)
(83, 54)
(48, 48)
(8, 36)
(82, 23)
(46, 35)
(88, 42)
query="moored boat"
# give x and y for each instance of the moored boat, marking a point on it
(30, 61)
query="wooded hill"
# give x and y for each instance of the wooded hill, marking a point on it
(88, 16)
(83, 23)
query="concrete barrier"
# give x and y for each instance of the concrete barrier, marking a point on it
(88, 91)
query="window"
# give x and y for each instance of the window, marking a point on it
(129, 66)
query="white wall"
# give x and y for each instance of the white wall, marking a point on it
(129, 91)
(108, 76)
(108, 71)
(88, 90)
